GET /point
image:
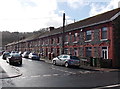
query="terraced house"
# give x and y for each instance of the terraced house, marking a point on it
(97, 36)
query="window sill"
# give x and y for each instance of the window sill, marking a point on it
(66, 43)
(75, 42)
(104, 40)
(58, 43)
(88, 40)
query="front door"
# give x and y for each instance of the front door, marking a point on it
(105, 52)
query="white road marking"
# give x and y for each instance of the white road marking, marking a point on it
(47, 75)
(22, 77)
(66, 71)
(29, 60)
(110, 86)
(71, 72)
(55, 74)
(81, 72)
(36, 76)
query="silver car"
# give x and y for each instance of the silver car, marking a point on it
(33, 56)
(66, 60)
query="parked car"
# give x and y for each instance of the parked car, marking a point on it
(14, 58)
(5, 55)
(1, 52)
(13, 51)
(20, 52)
(66, 60)
(25, 54)
(33, 56)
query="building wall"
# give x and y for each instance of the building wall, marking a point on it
(116, 42)
(75, 43)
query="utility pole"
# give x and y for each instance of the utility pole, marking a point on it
(18, 41)
(63, 33)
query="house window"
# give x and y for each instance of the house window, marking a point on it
(88, 35)
(104, 33)
(46, 41)
(75, 36)
(88, 51)
(75, 51)
(52, 40)
(58, 40)
(66, 38)
(66, 50)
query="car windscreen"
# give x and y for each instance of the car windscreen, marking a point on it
(74, 58)
(6, 53)
(16, 55)
(34, 54)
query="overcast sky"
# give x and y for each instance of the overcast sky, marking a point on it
(31, 15)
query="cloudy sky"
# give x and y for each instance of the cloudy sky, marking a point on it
(31, 15)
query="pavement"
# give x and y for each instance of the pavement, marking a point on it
(4, 74)
(7, 71)
(89, 67)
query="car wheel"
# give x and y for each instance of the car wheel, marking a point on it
(66, 64)
(54, 62)
(10, 62)
(20, 63)
(7, 61)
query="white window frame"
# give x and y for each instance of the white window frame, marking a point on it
(102, 51)
(87, 35)
(102, 39)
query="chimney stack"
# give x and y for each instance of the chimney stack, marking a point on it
(51, 28)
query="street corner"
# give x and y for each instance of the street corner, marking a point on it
(9, 73)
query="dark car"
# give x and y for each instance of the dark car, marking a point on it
(14, 58)
(5, 55)
(66, 60)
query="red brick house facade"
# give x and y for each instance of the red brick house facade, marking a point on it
(97, 36)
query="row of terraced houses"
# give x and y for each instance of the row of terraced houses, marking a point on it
(97, 36)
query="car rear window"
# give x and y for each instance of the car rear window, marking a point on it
(6, 53)
(74, 58)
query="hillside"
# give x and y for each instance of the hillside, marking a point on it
(8, 37)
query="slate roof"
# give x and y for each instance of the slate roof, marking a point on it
(98, 19)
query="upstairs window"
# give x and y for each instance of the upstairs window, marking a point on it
(58, 39)
(66, 38)
(104, 33)
(75, 36)
(88, 35)
(52, 40)
(46, 41)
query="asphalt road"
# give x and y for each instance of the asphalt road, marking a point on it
(41, 74)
